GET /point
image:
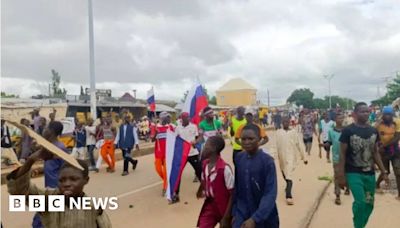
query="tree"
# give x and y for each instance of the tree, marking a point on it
(393, 92)
(302, 97)
(213, 100)
(82, 91)
(320, 103)
(55, 85)
(4, 95)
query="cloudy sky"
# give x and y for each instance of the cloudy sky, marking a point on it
(276, 45)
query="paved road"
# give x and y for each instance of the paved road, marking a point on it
(142, 190)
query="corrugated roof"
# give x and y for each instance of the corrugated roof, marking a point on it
(107, 104)
(236, 84)
(164, 108)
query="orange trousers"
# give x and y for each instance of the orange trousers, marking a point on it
(161, 169)
(108, 150)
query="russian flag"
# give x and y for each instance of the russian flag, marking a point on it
(176, 157)
(151, 100)
(195, 102)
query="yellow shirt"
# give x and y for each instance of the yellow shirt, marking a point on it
(236, 124)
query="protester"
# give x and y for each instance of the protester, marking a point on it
(26, 142)
(79, 151)
(236, 122)
(160, 139)
(7, 151)
(358, 154)
(277, 119)
(36, 119)
(326, 124)
(333, 141)
(289, 149)
(217, 182)
(189, 133)
(51, 166)
(91, 143)
(250, 121)
(389, 136)
(126, 140)
(255, 184)
(107, 132)
(71, 184)
(42, 125)
(209, 126)
(52, 116)
(308, 129)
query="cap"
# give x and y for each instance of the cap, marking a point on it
(184, 114)
(388, 110)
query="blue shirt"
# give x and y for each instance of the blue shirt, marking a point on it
(80, 138)
(52, 168)
(255, 190)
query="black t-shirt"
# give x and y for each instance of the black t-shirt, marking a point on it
(361, 143)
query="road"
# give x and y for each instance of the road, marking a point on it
(141, 204)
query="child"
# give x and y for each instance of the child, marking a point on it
(325, 125)
(333, 140)
(160, 139)
(80, 142)
(255, 184)
(289, 147)
(71, 184)
(358, 156)
(217, 182)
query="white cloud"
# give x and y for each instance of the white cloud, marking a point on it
(280, 45)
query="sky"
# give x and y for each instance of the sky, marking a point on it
(274, 45)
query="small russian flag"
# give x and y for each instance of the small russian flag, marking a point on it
(177, 153)
(151, 100)
(195, 102)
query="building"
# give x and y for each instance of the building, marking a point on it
(236, 92)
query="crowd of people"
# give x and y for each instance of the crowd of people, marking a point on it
(240, 196)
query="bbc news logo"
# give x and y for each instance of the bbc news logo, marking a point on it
(56, 203)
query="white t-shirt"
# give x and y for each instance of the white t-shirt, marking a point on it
(188, 133)
(90, 139)
(325, 127)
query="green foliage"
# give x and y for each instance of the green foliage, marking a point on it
(55, 85)
(4, 95)
(305, 97)
(393, 92)
(302, 97)
(213, 100)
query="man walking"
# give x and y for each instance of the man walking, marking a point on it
(357, 164)
(126, 139)
(236, 123)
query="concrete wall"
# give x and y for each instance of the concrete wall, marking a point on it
(236, 97)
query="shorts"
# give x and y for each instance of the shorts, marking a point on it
(327, 148)
(394, 159)
(308, 140)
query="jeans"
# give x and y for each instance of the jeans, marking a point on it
(362, 187)
(90, 149)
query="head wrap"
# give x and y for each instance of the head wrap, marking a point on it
(388, 110)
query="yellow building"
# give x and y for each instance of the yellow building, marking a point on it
(236, 92)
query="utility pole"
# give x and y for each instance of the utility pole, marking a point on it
(93, 99)
(329, 78)
(269, 104)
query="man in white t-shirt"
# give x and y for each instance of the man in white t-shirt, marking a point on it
(325, 125)
(190, 133)
(91, 143)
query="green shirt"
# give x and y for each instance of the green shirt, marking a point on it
(333, 138)
(208, 129)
